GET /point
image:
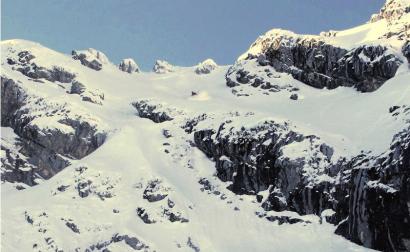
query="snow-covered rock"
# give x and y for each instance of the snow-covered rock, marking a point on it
(50, 133)
(162, 67)
(393, 10)
(206, 66)
(317, 61)
(129, 66)
(91, 58)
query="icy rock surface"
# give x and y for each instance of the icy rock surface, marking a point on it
(317, 63)
(90, 58)
(129, 66)
(393, 10)
(206, 66)
(162, 67)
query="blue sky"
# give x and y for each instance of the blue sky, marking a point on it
(183, 32)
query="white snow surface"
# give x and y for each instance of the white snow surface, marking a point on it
(370, 33)
(134, 154)
(93, 54)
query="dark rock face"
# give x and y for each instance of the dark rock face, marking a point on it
(30, 69)
(90, 63)
(406, 51)
(84, 141)
(151, 111)
(294, 97)
(142, 213)
(133, 242)
(281, 219)
(370, 196)
(37, 73)
(93, 96)
(46, 154)
(321, 65)
(174, 217)
(15, 168)
(12, 98)
(71, 225)
(313, 60)
(34, 160)
(255, 164)
(77, 88)
(38, 162)
(53, 75)
(154, 191)
(192, 245)
(379, 199)
(129, 66)
(366, 68)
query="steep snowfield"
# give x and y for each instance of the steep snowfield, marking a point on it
(134, 154)
(98, 202)
(125, 163)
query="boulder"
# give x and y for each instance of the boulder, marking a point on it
(206, 67)
(129, 66)
(90, 58)
(163, 67)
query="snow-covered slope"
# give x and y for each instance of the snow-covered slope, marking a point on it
(205, 162)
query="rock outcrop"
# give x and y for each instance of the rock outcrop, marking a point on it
(93, 96)
(313, 61)
(155, 111)
(406, 51)
(392, 11)
(129, 66)
(257, 159)
(91, 58)
(12, 98)
(163, 67)
(368, 195)
(47, 141)
(206, 66)
(379, 198)
(24, 64)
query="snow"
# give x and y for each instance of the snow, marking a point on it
(379, 185)
(206, 66)
(51, 124)
(129, 65)
(392, 10)
(93, 54)
(134, 154)
(327, 212)
(162, 67)
(369, 33)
